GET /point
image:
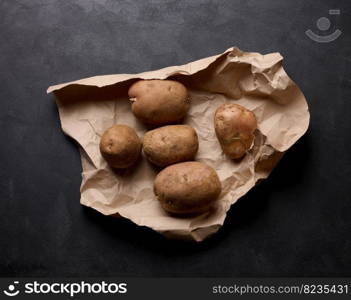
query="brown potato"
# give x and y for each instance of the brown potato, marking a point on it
(187, 188)
(120, 146)
(170, 144)
(159, 102)
(235, 126)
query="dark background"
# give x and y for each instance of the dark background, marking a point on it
(296, 223)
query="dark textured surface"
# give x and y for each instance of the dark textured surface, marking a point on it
(296, 223)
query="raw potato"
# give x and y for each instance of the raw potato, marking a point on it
(235, 126)
(187, 188)
(170, 144)
(159, 102)
(120, 146)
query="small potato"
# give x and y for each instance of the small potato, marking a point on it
(170, 144)
(159, 102)
(234, 126)
(120, 146)
(187, 188)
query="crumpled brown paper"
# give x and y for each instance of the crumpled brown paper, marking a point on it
(87, 107)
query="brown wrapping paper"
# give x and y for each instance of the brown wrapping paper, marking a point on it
(87, 107)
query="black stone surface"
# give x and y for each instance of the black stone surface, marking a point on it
(296, 223)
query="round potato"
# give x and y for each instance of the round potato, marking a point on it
(235, 126)
(159, 102)
(187, 188)
(120, 146)
(170, 144)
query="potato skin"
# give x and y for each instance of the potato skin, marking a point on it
(120, 146)
(159, 102)
(235, 126)
(170, 144)
(187, 188)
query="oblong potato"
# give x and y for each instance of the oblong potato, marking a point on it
(235, 126)
(120, 146)
(159, 102)
(187, 188)
(170, 144)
